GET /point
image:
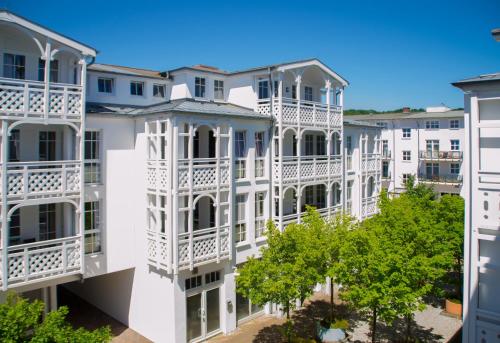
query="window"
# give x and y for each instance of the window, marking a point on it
(454, 124)
(406, 132)
(275, 88)
(92, 227)
(382, 124)
(199, 87)
(406, 155)
(455, 144)
(431, 170)
(320, 196)
(192, 282)
(14, 66)
(385, 169)
(137, 88)
(385, 148)
(159, 91)
(432, 124)
(54, 70)
(47, 221)
(294, 92)
(241, 230)
(92, 157)
(348, 144)
(308, 93)
(219, 89)
(260, 222)
(263, 89)
(104, 85)
(309, 198)
(15, 227)
(309, 145)
(212, 277)
(454, 168)
(320, 145)
(406, 177)
(259, 154)
(432, 148)
(47, 146)
(240, 154)
(14, 145)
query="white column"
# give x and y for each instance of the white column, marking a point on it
(79, 212)
(5, 223)
(47, 80)
(190, 200)
(52, 298)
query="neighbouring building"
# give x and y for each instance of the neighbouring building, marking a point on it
(142, 191)
(481, 305)
(427, 145)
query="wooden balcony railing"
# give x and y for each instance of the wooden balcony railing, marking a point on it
(206, 173)
(311, 168)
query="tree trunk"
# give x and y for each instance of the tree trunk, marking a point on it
(459, 277)
(374, 324)
(408, 328)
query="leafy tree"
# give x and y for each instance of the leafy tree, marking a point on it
(22, 321)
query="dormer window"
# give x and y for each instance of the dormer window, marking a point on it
(105, 85)
(199, 87)
(218, 89)
(263, 89)
(137, 88)
(159, 91)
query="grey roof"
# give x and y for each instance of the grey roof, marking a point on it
(350, 122)
(110, 68)
(412, 115)
(494, 77)
(180, 105)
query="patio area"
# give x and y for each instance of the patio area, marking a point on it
(431, 325)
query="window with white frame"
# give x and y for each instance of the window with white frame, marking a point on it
(406, 177)
(294, 92)
(454, 168)
(406, 155)
(240, 220)
(47, 221)
(406, 132)
(455, 144)
(14, 66)
(263, 89)
(309, 145)
(385, 169)
(320, 145)
(308, 93)
(259, 154)
(309, 197)
(260, 221)
(218, 89)
(275, 88)
(382, 124)
(92, 227)
(432, 124)
(454, 124)
(240, 154)
(105, 85)
(54, 70)
(158, 90)
(199, 87)
(192, 282)
(14, 145)
(137, 88)
(15, 227)
(92, 157)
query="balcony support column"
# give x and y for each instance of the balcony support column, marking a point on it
(5, 222)
(190, 198)
(217, 194)
(81, 152)
(47, 59)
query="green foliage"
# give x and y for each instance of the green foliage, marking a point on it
(397, 110)
(342, 324)
(22, 321)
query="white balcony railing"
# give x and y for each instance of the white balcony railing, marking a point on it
(311, 168)
(157, 175)
(27, 99)
(307, 113)
(47, 259)
(453, 155)
(325, 212)
(369, 207)
(203, 246)
(157, 248)
(440, 178)
(370, 162)
(34, 179)
(205, 174)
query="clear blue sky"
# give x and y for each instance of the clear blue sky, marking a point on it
(394, 53)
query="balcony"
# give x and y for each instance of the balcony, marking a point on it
(42, 260)
(440, 155)
(386, 154)
(203, 246)
(27, 99)
(206, 173)
(311, 168)
(368, 207)
(325, 212)
(157, 248)
(370, 163)
(28, 180)
(440, 178)
(157, 175)
(306, 114)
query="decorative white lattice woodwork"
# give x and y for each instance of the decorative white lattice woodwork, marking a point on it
(317, 168)
(369, 207)
(157, 248)
(205, 245)
(205, 174)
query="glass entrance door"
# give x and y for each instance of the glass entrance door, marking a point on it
(203, 314)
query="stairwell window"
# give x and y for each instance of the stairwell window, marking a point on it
(260, 222)
(240, 154)
(240, 214)
(259, 154)
(92, 157)
(14, 66)
(199, 87)
(54, 70)
(92, 227)
(218, 90)
(407, 132)
(406, 155)
(137, 88)
(158, 91)
(105, 85)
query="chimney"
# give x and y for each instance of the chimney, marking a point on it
(406, 110)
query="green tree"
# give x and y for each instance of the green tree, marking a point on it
(22, 321)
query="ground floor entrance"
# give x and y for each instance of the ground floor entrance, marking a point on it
(203, 314)
(245, 309)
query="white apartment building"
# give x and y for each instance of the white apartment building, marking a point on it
(428, 145)
(481, 311)
(142, 191)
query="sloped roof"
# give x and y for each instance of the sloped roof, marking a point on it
(478, 79)
(350, 122)
(180, 105)
(110, 68)
(412, 115)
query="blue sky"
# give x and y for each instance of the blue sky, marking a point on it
(394, 53)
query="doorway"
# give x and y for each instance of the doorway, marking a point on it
(203, 314)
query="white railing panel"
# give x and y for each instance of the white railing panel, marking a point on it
(206, 245)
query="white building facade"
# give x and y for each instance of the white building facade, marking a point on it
(426, 145)
(150, 188)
